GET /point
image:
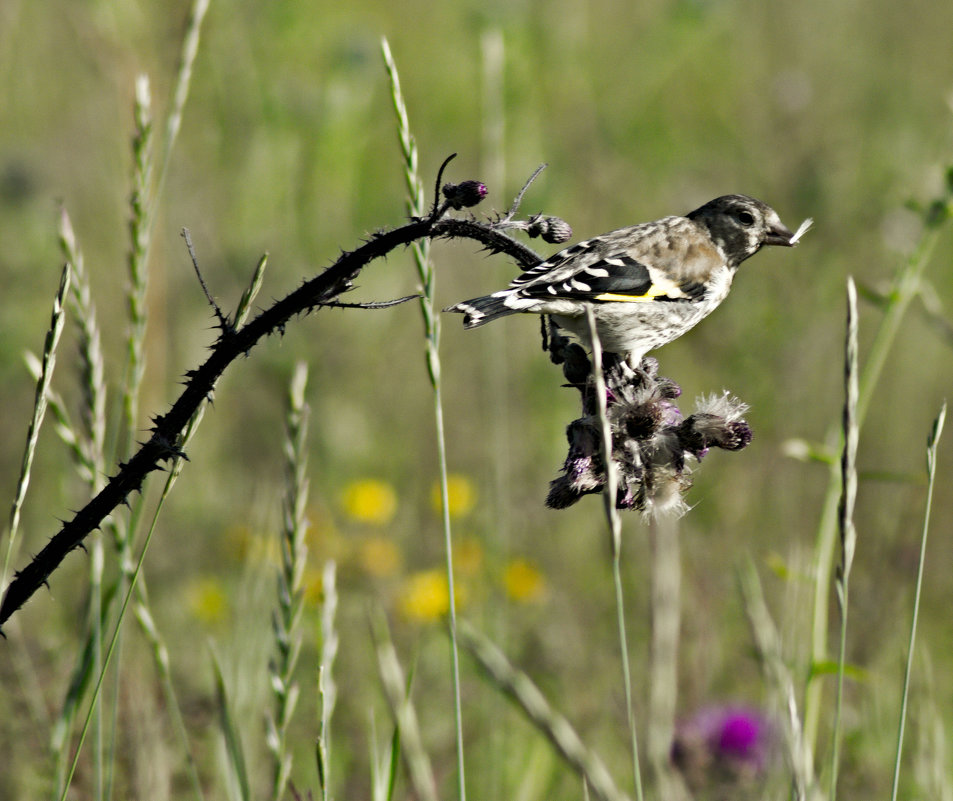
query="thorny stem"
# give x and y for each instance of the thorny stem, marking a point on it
(161, 445)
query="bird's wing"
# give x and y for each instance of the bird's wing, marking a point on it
(667, 260)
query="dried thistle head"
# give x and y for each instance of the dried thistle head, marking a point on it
(653, 445)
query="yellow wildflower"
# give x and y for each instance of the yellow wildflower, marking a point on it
(425, 596)
(370, 501)
(523, 581)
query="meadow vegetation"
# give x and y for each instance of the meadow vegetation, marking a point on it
(283, 595)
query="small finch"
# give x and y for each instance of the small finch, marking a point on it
(647, 284)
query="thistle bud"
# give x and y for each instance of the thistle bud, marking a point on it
(551, 229)
(465, 194)
(557, 232)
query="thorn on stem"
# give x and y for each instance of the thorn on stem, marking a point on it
(223, 322)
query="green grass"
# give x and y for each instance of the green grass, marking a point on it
(285, 144)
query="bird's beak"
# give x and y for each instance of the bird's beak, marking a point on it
(780, 235)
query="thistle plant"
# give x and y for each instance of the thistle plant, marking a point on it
(652, 445)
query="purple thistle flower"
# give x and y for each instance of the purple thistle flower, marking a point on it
(465, 194)
(720, 747)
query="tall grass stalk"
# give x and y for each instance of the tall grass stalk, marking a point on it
(327, 689)
(147, 188)
(906, 285)
(137, 583)
(416, 207)
(848, 534)
(140, 224)
(384, 765)
(47, 365)
(143, 202)
(142, 205)
(932, 442)
(142, 611)
(92, 440)
(89, 653)
(520, 689)
(131, 589)
(405, 716)
(615, 533)
(144, 617)
(183, 82)
(768, 643)
(234, 753)
(250, 293)
(92, 361)
(287, 615)
(663, 660)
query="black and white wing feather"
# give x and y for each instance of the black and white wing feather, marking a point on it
(664, 261)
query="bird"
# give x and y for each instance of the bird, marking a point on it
(647, 284)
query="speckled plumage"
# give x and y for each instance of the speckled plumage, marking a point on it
(648, 284)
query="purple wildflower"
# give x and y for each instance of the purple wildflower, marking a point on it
(721, 747)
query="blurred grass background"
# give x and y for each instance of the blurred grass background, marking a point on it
(840, 112)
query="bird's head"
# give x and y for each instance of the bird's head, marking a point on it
(740, 225)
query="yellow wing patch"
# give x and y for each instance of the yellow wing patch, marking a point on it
(660, 287)
(609, 296)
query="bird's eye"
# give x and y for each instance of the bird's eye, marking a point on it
(745, 218)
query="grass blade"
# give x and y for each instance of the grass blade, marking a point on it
(615, 532)
(384, 767)
(140, 224)
(233, 743)
(906, 285)
(287, 615)
(405, 717)
(147, 188)
(848, 535)
(518, 686)
(768, 643)
(666, 580)
(421, 251)
(47, 364)
(250, 293)
(327, 689)
(91, 441)
(92, 360)
(932, 441)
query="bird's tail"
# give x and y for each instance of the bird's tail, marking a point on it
(478, 311)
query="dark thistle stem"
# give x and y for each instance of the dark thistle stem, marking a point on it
(166, 430)
(438, 209)
(492, 239)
